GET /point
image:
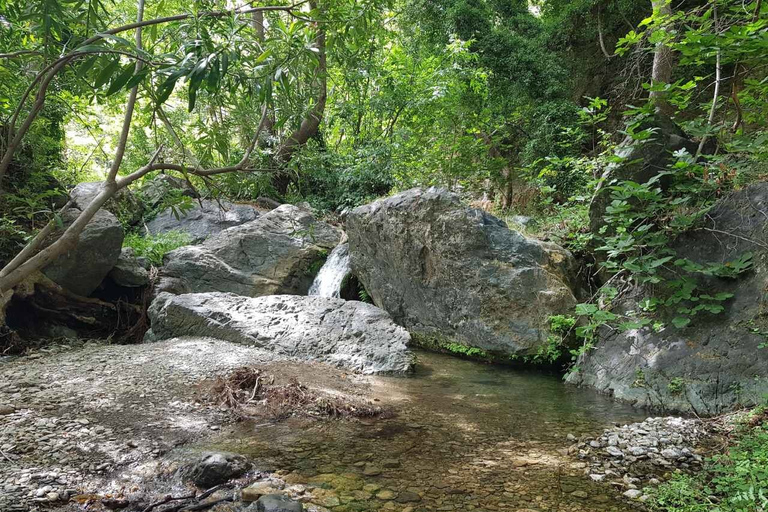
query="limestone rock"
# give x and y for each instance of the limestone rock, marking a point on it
(715, 364)
(202, 222)
(350, 334)
(82, 269)
(443, 269)
(277, 253)
(123, 205)
(128, 270)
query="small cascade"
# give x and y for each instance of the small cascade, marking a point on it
(336, 268)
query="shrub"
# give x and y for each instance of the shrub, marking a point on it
(155, 247)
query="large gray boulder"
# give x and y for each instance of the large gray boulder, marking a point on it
(82, 269)
(458, 274)
(203, 221)
(128, 271)
(716, 363)
(123, 205)
(348, 334)
(278, 253)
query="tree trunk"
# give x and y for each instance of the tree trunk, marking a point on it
(663, 65)
(310, 125)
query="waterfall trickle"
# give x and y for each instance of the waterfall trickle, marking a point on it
(336, 268)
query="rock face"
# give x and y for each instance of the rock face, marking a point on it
(85, 267)
(352, 335)
(716, 363)
(443, 269)
(277, 253)
(128, 271)
(124, 205)
(202, 222)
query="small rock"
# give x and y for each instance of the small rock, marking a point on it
(216, 468)
(277, 503)
(386, 494)
(371, 470)
(255, 491)
(633, 494)
(408, 497)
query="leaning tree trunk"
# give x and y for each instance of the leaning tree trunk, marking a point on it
(310, 125)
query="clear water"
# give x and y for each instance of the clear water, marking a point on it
(328, 281)
(465, 436)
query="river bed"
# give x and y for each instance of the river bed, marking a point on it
(464, 436)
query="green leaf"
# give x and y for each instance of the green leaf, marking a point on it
(586, 309)
(106, 73)
(118, 81)
(680, 322)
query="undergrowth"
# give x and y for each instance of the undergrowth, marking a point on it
(155, 247)
(734, 481)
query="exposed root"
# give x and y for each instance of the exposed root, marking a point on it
(249, 392)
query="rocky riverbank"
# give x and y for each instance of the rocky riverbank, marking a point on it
(631, 457)
(73, 417)
(107, 426)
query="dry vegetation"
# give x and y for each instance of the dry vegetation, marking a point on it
(250, 392)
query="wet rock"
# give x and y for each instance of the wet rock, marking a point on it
(255, 491)
(445, 270)
(408, 497)
(343, 333)
(203, 222)
(82, 269)
(278, 253)
(128, 271)
(216, 468)
(276, 503)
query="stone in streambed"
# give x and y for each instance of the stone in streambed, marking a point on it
(276, 503)
(215, 468)
(343, 333)
(255, 491)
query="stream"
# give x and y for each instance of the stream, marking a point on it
(464, 436)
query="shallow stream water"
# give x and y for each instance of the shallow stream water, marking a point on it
(465, 436)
